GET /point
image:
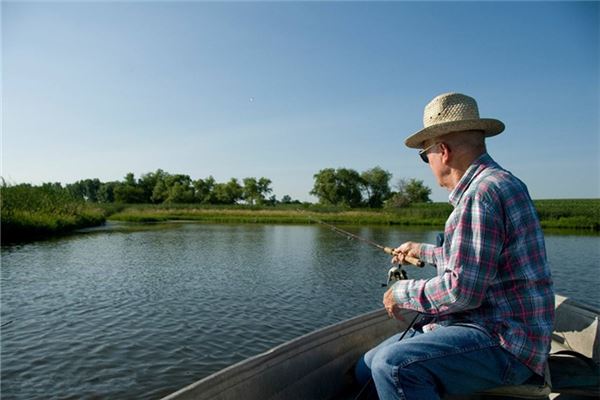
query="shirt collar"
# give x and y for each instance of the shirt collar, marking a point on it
(481, 163)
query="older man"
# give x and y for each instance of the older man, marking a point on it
(488, 312)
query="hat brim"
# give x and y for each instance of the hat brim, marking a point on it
(489, 126)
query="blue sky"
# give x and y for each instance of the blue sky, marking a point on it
(284, 89)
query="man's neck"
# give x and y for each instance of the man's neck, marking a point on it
(459, 167)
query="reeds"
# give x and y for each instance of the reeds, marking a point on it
(33, 211)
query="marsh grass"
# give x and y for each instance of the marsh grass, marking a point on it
(570, 214)
(38, 211)
(286, 215)
(555, 214)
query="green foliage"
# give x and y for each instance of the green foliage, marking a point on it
(584, 216)
(340, 186)
(409, 192)
(569, 213)
(376, 184)
(203, 189)
(148, 183)
(106, 193)
(30, 211)
(227, 193)
(255, 191)
(87, 189)
(161, 187)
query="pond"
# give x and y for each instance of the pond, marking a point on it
(139, 311)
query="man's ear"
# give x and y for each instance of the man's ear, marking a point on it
(446, 153)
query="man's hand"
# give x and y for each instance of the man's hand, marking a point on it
(406, 249)
(393, 309)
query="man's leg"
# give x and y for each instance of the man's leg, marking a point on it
(449, 360)
(362, 371)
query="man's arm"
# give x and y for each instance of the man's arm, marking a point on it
(470, 263)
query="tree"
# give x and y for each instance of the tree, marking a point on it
(203, 189)
(106, 192)
(340, 186)
(128, 191)
(256, 191)
(227, 193)
(86, 189)
(264, 189)
(251, 193)
(410, 191)
(286, 199)
(376, 185)
(149, 181)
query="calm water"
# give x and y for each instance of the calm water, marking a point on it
(140, 312)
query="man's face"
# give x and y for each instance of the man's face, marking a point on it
(434, 157)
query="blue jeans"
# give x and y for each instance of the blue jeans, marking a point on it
(457, 359)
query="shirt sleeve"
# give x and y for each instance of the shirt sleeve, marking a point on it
(469, 264)
(431, 254)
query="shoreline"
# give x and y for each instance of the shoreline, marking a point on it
(580, 216)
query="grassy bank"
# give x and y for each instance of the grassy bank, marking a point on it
(555, 214)
(30, 212)
(569, 214)
(34, 212)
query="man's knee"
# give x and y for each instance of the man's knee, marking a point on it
(400, 368)
(384, 362)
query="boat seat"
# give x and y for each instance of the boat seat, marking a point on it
(536, 387)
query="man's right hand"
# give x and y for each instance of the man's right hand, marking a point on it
(406, 249)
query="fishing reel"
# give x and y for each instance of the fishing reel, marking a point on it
(396, 273)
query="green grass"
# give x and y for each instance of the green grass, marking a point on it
(39, 211)
(283, 214)
(33, 211)
(569, 214)
(554, 214)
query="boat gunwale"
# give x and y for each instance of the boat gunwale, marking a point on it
(250, 367)
(253, 366)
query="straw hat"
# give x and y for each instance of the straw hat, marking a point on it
(452, 112)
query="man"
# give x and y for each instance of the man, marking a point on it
(488, 313)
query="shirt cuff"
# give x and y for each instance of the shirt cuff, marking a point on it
(400, 292)
(430, 253)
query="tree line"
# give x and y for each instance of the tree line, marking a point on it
(337, 187)
(161, 187)
(371, 188)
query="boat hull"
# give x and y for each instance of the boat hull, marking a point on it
(320, 365)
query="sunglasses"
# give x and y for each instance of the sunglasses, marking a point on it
(423, 153)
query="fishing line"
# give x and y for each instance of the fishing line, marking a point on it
(388, 250)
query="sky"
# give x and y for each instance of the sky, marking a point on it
(284, 89)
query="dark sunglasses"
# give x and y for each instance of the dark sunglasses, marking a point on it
(423, 153)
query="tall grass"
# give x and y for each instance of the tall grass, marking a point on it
(571, 213)
(33, 211)
(36, 211)
(559, 214)
(426, 214)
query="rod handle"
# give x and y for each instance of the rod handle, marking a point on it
(409, 259)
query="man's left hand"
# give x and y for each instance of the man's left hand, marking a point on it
(392, 308)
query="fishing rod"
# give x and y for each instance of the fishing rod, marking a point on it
(388, 250)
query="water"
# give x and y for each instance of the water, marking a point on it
(141, 311)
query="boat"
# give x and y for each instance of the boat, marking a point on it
(319, 365)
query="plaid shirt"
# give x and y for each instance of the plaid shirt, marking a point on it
(492, 269)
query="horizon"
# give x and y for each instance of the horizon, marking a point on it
(284, 89)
